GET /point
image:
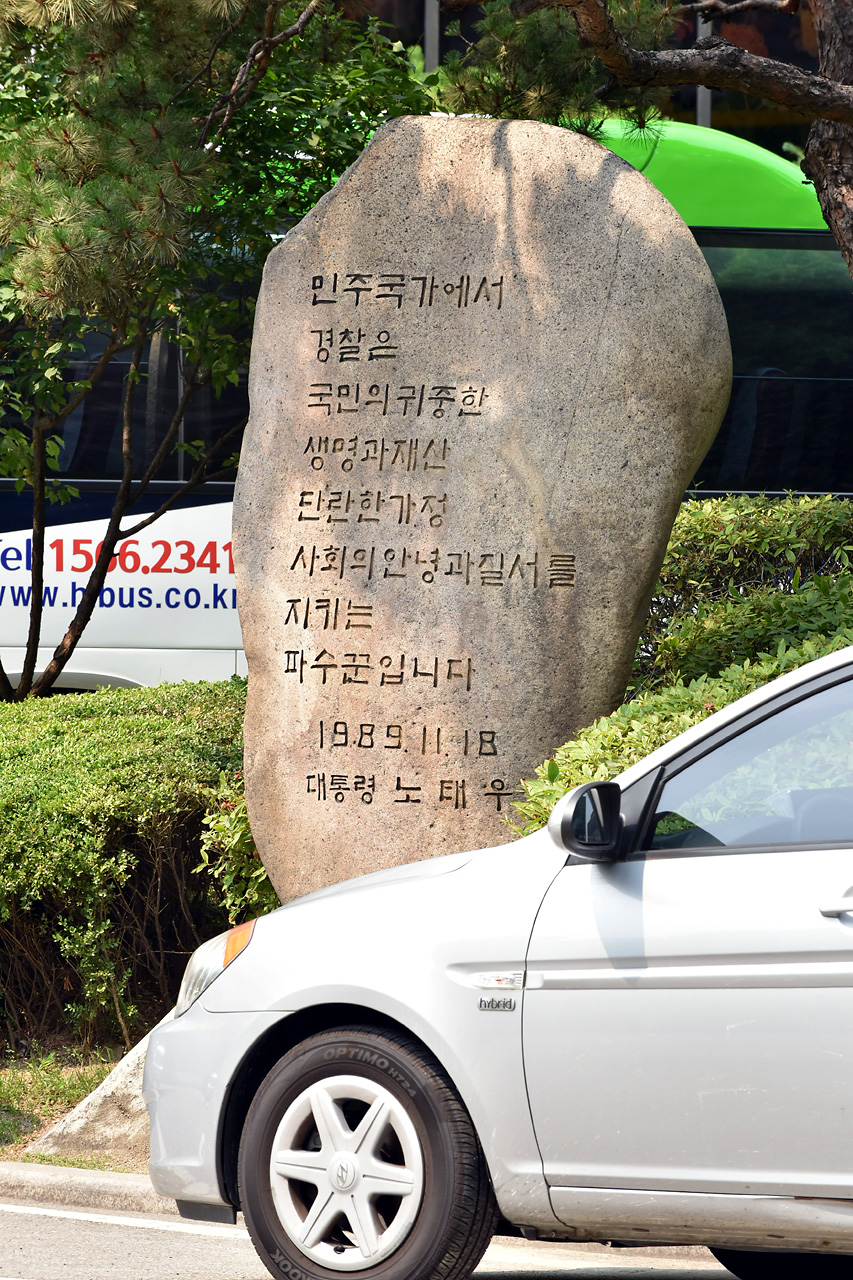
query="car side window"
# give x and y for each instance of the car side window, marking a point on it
(785, 780)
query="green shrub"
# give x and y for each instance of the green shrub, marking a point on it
(740, 626)
(102, 800)
(229, 854)
(739, 575)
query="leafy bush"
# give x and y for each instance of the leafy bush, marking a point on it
(228, 852)
(102, 800)
(740, 626)
(739, 575)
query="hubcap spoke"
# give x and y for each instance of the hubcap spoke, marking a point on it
(334, 1134)
(388, 1180)
(360, 1214)
(306, 1166)
(321, 1215)
(371, 1126)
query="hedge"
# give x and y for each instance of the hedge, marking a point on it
(124, 839)
(103, 798)
(740, 574)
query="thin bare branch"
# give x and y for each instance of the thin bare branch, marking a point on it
(254, 68)
(85, 609)
(719, 8)
(40, 429)
(214, 49)
(191, 385)
(198, 478)
(127, 1040)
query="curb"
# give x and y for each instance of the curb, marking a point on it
(82, 1188)
(59, 1185)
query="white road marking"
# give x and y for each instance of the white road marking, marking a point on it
(183, 1228)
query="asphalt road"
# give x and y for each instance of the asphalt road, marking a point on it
(40, 1243)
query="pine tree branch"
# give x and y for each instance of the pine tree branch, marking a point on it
(712, 62)
(214, 49)
(255, 68)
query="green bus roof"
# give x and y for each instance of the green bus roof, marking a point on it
(717, 180)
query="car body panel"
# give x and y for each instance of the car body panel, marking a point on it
(189, 1066)
(441, 953)
(749, 992)
(733, 1221)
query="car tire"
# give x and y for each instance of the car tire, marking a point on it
(749, 1265)
(357, 1156)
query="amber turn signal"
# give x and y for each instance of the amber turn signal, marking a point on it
(238, 938)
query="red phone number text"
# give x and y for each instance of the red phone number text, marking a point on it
(166, 557)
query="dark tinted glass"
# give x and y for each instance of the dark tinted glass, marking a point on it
(790, 315)
(92, 434)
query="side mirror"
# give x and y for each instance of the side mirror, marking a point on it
(586, 821)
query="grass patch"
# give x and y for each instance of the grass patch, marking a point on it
(34, 1094)
(68, 1162)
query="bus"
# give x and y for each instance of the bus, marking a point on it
(168, 608)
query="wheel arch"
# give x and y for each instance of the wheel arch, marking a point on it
(264, 1054)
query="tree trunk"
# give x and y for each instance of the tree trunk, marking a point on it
(829, 150)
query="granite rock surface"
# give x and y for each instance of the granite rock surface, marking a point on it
(485, 369)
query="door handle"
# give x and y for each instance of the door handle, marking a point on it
(837, 908)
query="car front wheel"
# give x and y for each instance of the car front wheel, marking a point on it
(358, 1156)
(749, 1265)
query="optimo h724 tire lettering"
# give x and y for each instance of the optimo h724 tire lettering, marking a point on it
(357, 1156)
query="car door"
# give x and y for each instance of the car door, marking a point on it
(688, 1013)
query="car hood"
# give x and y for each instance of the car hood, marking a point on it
(422, 870)
(375, 939)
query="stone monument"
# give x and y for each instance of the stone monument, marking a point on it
(485, 367)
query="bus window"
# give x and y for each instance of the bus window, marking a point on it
(91, 435)
(789, 303)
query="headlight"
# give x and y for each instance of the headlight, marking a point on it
(208, 962)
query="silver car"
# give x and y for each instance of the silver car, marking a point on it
(634, 1026)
